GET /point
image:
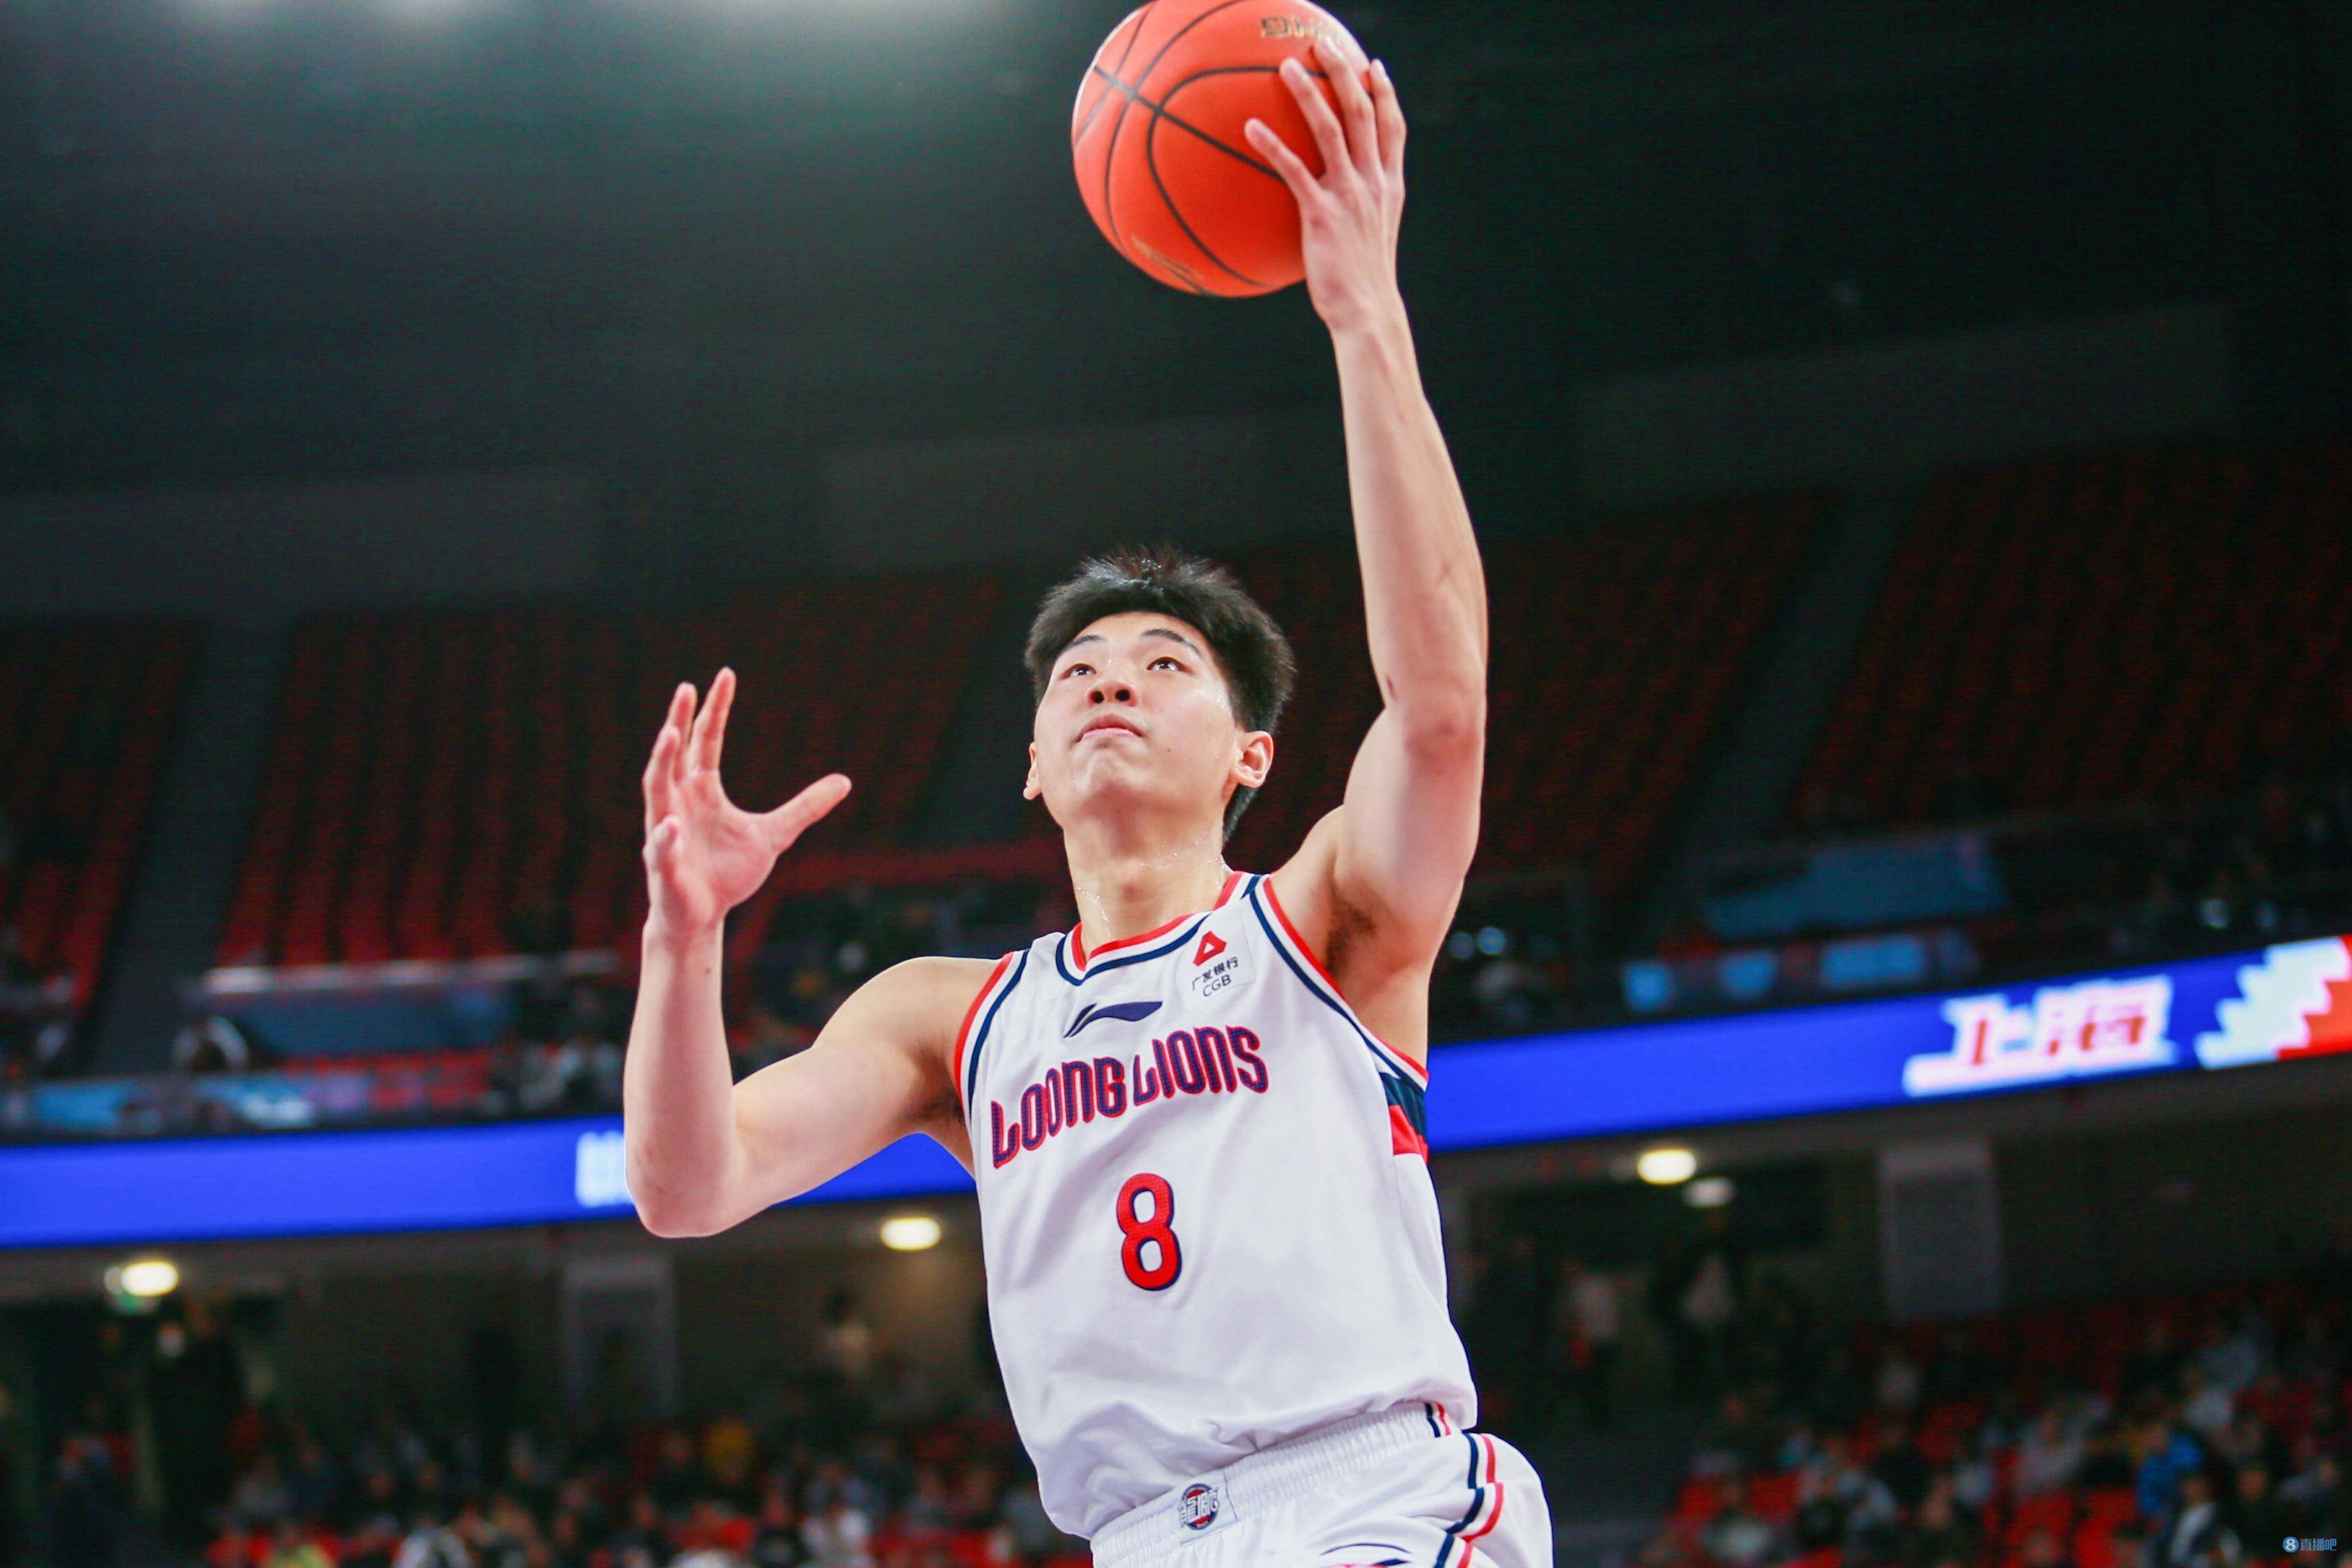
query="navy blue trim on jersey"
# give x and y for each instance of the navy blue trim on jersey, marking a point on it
(1410, 1098)
(1477, 1504)
(1380, 1053)
(979, 1035)
(1143, 955)
(1429, 1414)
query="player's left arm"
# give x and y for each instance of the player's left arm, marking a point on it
(1374, 887)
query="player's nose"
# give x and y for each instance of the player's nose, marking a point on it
(1111, 689)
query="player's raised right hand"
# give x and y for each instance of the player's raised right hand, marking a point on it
(703, 853)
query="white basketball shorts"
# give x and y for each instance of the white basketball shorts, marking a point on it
(1397, 1490)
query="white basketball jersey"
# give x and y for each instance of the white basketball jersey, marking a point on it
(1205, 1205)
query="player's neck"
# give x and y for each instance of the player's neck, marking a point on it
(1124, 887)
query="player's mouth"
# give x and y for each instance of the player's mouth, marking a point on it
(1108, 724)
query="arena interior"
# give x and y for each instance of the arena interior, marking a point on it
(1892, 1097)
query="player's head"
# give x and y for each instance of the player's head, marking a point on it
(1171, 646)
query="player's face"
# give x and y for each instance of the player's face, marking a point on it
(1137, 719)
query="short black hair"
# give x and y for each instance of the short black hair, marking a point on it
(1251, 652)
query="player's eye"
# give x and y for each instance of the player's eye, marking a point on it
(1079, 669)
(1167, 659)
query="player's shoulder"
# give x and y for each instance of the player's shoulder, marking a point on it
(1376, 959)
(916, 1005)
(1302, 887)
(940, 988)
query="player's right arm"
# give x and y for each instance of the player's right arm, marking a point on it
(705, 1153)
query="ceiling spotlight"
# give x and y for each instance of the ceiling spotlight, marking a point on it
(1665, 1167)
(146, 1279)
(1708, 1192)
(910, 1232)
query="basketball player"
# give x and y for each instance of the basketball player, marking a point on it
(1195, 1118)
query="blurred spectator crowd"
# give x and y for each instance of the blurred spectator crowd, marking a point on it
(2080, 890)
(1530, 952)
(37, 1011)
(859, 1465)
(2197, 1432)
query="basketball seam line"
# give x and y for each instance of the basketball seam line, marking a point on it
(1110, 215)
(1152, 162)
(1160, 111)
(1142, 14)
(1135, 95)
(1143, 19)
(1153, 64)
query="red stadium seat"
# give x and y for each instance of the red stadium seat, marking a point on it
(1615, 653)
(431, 775)
(1773, 1496)
(2051, 1511)
(2099, 627)
(86, 717)
(1695, 1502)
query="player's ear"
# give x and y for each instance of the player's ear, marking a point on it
(1031, 790)
(1256, 760)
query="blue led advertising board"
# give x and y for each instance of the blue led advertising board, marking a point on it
(2286, 1002)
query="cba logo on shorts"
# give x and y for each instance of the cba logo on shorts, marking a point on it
(1196, 1506)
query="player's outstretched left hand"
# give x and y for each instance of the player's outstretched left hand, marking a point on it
(703, 853)
(1350, 217)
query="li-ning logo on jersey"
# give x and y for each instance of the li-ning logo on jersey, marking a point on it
(1126, 1012)
(1205, 1059)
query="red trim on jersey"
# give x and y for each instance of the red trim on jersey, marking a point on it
(1403, 1139)
(963, 1031)
(1077, 944)
(1492, 1518)
(1274, 902)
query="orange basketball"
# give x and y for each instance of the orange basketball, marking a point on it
(1157, 138)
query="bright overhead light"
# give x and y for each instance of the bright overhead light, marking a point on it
(146, 1279)
(1708, 1192)
(1665, 1167)
(910, 1232)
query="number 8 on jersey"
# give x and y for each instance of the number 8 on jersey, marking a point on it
(1152, 1229)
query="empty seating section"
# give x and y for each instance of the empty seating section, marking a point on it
(1615, 651)
(2146, 624)
(432, 775)
(86, 715)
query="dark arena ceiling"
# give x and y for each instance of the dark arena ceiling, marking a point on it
(272, 236)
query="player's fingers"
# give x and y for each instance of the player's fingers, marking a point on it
(695, 708)
(660, 788)
(1392, 119)
(664, 758)
(795, 816)
(681, 719)
(1288, 166)
(711, 732)
(661, 844)
(1329, 139)
(1355, 106)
